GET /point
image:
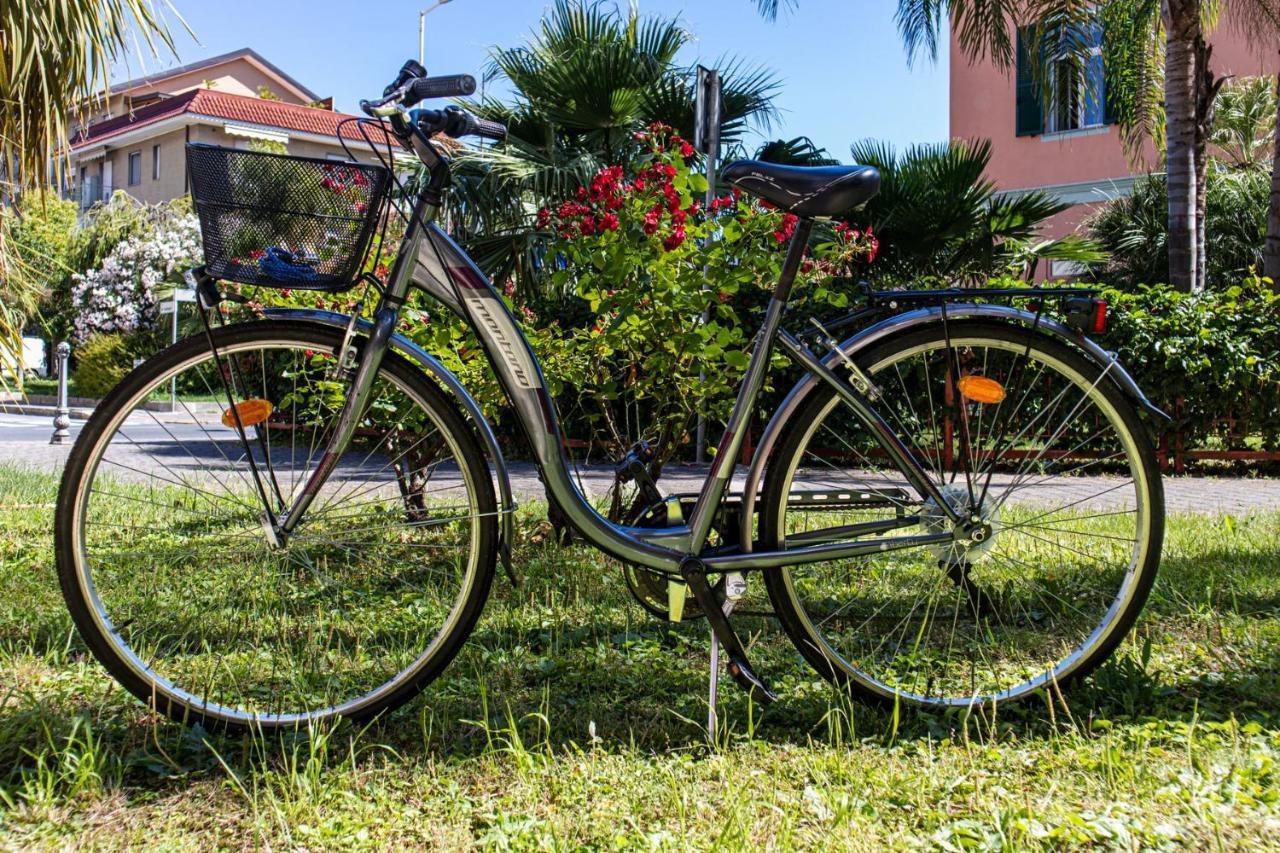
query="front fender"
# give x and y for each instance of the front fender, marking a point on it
(446, 379)
(897, 325)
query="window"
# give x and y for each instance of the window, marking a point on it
(1077, 91)
(135, 168)
(155, 162)
(1077, 94)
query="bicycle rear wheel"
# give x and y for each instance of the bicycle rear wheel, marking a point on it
(1022, 434)
(171, 574)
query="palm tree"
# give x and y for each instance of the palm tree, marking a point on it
(1174, 28)
(584, 82)
(800, 151)
(1244, 122)
(938, 217)
(54, 59)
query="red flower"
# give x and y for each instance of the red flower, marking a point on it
(686, 150)
(509, 288)
(639, 185)
(588, 226)
(609, 222)
(679, 217)
(651, 221)
(544, 217)
(286, 293)
(674, 240)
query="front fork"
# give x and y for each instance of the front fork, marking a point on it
(385, 320)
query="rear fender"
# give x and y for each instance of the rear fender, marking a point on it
(442, 375)
(900, 324)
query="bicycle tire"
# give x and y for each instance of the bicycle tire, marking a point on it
(76, 581)
(781, 585)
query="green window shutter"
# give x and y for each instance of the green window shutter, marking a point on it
(1030, 110)
(1108, 106)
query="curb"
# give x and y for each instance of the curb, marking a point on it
(37, 410)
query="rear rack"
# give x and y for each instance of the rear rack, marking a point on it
(889, 301)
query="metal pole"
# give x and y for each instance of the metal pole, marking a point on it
(422, 29)
(173, 339)
(62, 414)
(707, 127)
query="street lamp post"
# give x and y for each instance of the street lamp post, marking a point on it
(422, 30)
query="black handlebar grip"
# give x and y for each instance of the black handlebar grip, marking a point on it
(486, 129)
(453, 86)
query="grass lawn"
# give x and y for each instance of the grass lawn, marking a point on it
(574, 720)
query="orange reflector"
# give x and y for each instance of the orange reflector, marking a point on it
(980, 389)
(251, 412)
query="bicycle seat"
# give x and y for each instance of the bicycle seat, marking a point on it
(806, 191)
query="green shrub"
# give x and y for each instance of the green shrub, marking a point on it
(101, 362)
(1204, 357)
(1134, 230)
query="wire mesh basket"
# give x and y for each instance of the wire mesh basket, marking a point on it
(282, 221)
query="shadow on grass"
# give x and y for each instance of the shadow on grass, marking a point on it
(567, 659)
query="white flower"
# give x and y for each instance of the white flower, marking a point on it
(120, 296)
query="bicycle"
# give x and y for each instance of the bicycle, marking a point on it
(309, 528)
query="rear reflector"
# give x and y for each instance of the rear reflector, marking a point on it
(980, 389)
(1099, 316)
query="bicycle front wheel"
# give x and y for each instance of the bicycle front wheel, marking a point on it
(1049, 465)
(180, 589)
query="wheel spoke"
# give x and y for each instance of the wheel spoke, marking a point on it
(983, 618)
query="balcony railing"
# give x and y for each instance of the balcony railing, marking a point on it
(90, 192)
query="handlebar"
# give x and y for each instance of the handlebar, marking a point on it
(453, 86)
(413, 86)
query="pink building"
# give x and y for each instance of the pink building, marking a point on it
(1069, 148)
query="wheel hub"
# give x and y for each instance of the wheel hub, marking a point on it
(973, 536)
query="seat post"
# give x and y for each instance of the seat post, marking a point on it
(795, 257)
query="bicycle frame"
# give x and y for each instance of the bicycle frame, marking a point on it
(432, 261)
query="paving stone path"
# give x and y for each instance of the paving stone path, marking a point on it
(24, 443)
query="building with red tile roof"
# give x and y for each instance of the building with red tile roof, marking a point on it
(136, 140)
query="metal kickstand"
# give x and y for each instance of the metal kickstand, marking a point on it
(735, 586)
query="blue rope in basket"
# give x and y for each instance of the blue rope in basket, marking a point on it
(283, 265)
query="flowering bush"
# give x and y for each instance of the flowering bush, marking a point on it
(120, 296)
(673, 289)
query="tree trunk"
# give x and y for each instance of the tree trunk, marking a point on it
(1207, 87)
(1271, 250)
(1182, 28)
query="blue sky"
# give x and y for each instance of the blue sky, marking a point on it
(844, 72)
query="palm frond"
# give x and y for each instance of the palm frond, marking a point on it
(800, 151)
(769, 9)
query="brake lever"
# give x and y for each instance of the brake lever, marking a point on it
(386, 107)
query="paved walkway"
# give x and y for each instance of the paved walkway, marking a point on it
(24, 442)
